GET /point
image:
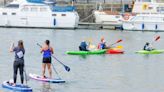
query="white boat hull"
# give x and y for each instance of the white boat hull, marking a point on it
(36, 15)
(102, 17)
(145, 22)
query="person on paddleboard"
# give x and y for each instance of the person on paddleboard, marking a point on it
(47, 51)
(19, 60)
(148, 47)
(83, 46)
(102, 44)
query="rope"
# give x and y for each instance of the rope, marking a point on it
(86, 18)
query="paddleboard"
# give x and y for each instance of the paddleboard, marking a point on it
(17, 87)
(39, 78)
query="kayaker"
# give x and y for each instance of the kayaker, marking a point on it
(148, 47)
(47, 51)
(102, 44)
(83, 46)
(19, 61)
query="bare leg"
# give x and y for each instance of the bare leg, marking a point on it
(49, 70)
(43, 69)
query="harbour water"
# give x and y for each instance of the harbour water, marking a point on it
(129, 72)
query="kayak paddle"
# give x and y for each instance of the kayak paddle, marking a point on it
(66, 67)
(116, 42)
(157, 38)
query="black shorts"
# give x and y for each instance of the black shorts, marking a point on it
(47, 60)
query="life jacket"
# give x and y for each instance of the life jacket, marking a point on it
(101, 46)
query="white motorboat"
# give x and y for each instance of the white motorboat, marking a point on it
(150, 16)
(38, 13)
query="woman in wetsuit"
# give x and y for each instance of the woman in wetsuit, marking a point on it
(47, 51)
(19, 60)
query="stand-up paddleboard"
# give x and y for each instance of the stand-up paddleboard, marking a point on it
(17, 87)
(39, 78)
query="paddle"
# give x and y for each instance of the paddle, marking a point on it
(55, 71)
(119, 47)
(118, 41)
(90, 45)
(156, 39)
(25, 75)
(66, 67)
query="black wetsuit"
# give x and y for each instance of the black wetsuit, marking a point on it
(18, 63)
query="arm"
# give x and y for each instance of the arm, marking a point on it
(52, 50)
(11, 47)
(41, 50)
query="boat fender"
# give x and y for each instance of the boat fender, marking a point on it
(156, 26)
(143, 26)
(54, 22)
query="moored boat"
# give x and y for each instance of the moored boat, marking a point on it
(150, 16)
(37, 13)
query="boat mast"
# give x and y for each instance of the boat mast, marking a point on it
(123, 8)
(4, 3)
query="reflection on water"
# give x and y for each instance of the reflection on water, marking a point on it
(46, 87)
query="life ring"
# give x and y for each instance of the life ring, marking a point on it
(126, 16)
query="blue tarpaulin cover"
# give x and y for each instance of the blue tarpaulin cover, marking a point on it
(36, 1)
(64, 8)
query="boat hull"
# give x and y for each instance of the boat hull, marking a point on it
(150, 52)
(86, 52)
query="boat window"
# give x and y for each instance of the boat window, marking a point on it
(63, 15)
(160, 9)
(4, 13)
(34, 9)
(25, 9)
(146, 0)
(54, 14)
(13, 13)
(13, 6)
(43, 9)
(137, 18)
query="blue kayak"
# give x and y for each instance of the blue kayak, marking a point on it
(18, 87)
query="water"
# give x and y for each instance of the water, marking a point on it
(129, 72)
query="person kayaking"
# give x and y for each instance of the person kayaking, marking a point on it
(148, 47)
(102, 44)
(47, 51)
(19, 61)
(83, 46)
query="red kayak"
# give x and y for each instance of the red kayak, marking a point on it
(114, 51)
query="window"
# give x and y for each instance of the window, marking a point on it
(34, 9)
(13, 13)
(43, 9)
(4, 13)
(63, 15)
(54, 14)
(25, 9)
(13, 6)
